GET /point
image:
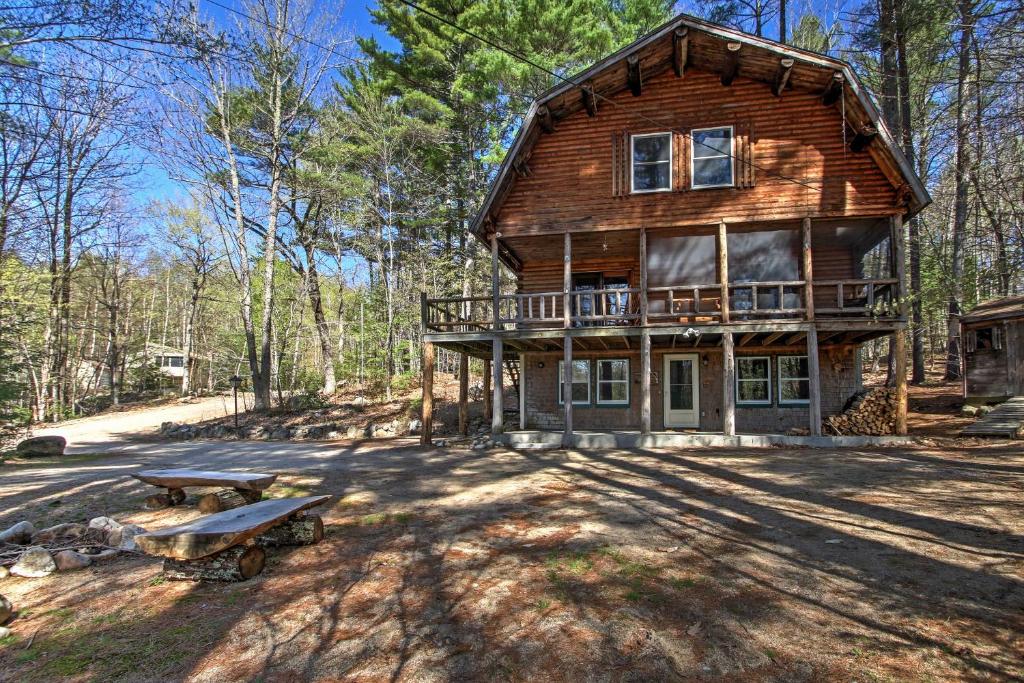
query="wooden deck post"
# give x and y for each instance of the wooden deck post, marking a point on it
(427, 416)
(463, 394)
(814, 382)
(567, 340)
(645, 342)
(808, 271)
(728, 386)
(497, 407)
(487, 390)
(899, 338)
(495, 281)
(723, 269)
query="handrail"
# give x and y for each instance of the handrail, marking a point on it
(854, 297)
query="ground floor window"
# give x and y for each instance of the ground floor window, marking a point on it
(753, 380)
(613, 381)
(580, 382)
(794, 380)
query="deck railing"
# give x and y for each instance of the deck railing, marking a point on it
(770, 300)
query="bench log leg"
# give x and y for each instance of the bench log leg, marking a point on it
(159, 501)
(237, 563)
(298, 530)
(250, 496)
(218, 501)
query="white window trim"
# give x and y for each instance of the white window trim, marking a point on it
(561, 383)
(612, 381)
(731, 157)
(768, 378)
(778, 382)
(632, 176)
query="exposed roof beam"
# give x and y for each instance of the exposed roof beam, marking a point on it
(633, 74)
(834, 90)
(547, 121)
(771, 337)
(680, 50)
(589, 99)
(733, 63)
(747, 337)
(782, 75)
(795, 338)
(863, 139)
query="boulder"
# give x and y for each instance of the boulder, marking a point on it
(4, 572)
(128, 534)
(280, 434)
(359, 402)
(21, 533)
(415, 426)
(42, 446)
(984, 410)
(34, 563)
(353, 433)
(4, 631)
(68, 530)
(111, 529)
(969, 411)
(6, 610)
(69, 560)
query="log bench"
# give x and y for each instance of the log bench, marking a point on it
(229, 545)
(240, 487)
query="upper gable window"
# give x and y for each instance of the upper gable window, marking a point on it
(652, 162)
(711, 157)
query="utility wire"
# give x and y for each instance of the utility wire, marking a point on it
(564, 79)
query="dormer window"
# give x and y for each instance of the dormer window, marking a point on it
(711, 157)
(652, 162)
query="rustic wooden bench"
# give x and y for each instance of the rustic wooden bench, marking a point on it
(229, 545)
(241, 487)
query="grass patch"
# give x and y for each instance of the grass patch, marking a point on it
(9, 639)
(157, 580)
(543, 605)
(681, 583)
(573, 562)
(379, 518)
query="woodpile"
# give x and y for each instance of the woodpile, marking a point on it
(869, 413)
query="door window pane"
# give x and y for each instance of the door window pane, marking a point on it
(680, 384)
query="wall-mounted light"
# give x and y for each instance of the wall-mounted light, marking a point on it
(540, 364)
(704, 359)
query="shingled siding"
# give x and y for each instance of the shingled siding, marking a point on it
(840, 378)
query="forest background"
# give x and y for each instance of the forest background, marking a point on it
(266, 186)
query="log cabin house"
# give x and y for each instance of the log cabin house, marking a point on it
(702, 229)
(993, 357)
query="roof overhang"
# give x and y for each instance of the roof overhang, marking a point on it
(810, 71)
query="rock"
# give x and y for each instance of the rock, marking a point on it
(440, 443)
(4, 631)
(68, 530)
(128, 534)
(4, 572)
(984, 410)
(415, 426)
(42, 446)
(104, 555)
(352, 433)
(21, 533)
(280, 434)
(6, 610)
(69, 560)
(332, 435)
(111, 529)
(359, 402)
(34, 563)
(969, 411)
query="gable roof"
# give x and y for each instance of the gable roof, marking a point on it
(707, 48)
(996, 309)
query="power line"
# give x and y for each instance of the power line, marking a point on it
(564, 79)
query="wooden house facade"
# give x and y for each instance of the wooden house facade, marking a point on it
(992, 335)
(702, 229)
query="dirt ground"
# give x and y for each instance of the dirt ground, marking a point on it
(641, 565)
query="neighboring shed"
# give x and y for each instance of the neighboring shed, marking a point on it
(993, 341)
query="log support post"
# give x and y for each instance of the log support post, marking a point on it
(723, 269)
(728, 386)
(237, 563)
(463, 394)
(487, 390)
(567, 340)
(497, 406)
(645, 342)
(808, 270)
(814, 382)
(899, 338)
(427, 414)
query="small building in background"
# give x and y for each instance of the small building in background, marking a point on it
(171, 361)
(993, 343)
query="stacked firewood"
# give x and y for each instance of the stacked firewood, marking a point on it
(869, 413)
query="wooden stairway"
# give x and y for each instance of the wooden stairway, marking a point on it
(1005, 421)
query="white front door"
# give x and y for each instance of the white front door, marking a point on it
(680, 381)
